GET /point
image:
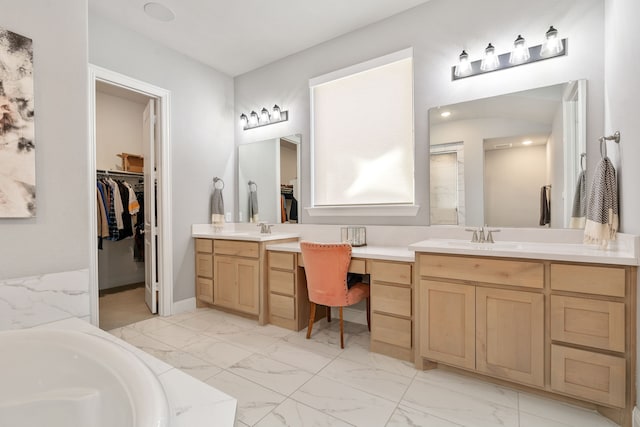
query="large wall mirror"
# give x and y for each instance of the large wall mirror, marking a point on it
(268, 180)
(512, 160)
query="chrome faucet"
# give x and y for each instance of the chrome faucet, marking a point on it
(479, 235)
(264, 228)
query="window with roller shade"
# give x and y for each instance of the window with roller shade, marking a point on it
(362, 134)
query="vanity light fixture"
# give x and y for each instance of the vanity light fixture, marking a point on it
(265, 118)
(490, 60)
(521, 54)
(464, 66)
(253, 119)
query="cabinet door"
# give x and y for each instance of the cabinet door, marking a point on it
(247, 282)
(224, 289)
(447, 323)
(510, 335)
(204, 265)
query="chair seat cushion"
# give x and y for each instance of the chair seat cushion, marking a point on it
(357, 293)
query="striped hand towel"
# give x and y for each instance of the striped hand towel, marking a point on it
(253, 206)
(579, 210)
(602, 206)
(217, 206)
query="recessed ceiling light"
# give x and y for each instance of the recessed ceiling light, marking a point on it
(159, 12)
(445, 114)
(527, 142)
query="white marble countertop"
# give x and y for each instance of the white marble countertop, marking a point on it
(206, 231)
(389, 253)
(576, 252)
(192, 403)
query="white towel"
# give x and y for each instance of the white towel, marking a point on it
(253, 206)
(217, 206)
(602, 206)
(579, 211)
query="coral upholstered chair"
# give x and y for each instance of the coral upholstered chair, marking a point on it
(326, 266)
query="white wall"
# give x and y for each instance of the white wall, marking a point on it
(621, 108)
(57, 238)
(44, 260)
(201, 129)
(118, 129)
(512, 181)
(438, 31)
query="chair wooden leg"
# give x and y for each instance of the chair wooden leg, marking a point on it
(312, 316)
(341, 330)
(369, 314)
(328, 314)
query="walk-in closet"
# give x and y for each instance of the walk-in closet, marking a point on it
(121, 141)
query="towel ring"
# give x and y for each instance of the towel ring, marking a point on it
(218, 183)
(254, 184)
(583, 157)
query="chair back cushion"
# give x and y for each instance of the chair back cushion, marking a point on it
(326, 266)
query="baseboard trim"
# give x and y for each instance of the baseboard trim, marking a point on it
(636, 417)
(184, 305)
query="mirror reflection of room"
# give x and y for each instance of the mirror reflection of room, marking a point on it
(268, 189)
(509, 161)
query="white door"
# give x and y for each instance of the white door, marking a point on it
(150, 275)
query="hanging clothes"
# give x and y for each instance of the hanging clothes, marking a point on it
(138, 238)
(293, 210)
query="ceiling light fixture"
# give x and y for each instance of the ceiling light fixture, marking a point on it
(521, 54)
(265, 118)
(445, 114)
(527, 142)
(159, 12)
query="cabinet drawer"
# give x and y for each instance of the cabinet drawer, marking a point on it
(593, 323)
(204, 245)
(391, 330)
(282, 282)
(283, 260)
(282, 306)
(230, 247)
(391, 299)
(475, 269)
(204, 289)
(588, 375)
(204, 265)
(393, 272)
(588, 279)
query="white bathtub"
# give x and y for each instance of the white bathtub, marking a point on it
(66, 378)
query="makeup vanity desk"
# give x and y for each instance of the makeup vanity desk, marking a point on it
(391, 280)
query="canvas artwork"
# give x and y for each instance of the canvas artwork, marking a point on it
(17, 147)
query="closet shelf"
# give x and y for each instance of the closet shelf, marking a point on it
(118, 173)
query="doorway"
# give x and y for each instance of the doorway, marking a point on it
(131, 267)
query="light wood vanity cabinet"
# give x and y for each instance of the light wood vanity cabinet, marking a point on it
(288, 298)
(232, 275)
(565, 328)
(391, 308)
(204, 270)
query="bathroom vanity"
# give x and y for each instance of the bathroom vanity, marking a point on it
(558, 319)
(553, 318)
(231, 270)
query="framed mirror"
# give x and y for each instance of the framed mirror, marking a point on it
(268, 183)
(508, 161)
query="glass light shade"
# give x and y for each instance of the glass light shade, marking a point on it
(552, 44)
(276, 113)
(464, 66)
(243, 120)
(490, 60)
(253, 119)
(264, 116)
(520, 52)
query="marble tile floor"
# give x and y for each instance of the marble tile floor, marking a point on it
(282, 379)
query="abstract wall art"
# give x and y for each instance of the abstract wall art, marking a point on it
(17, 146)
